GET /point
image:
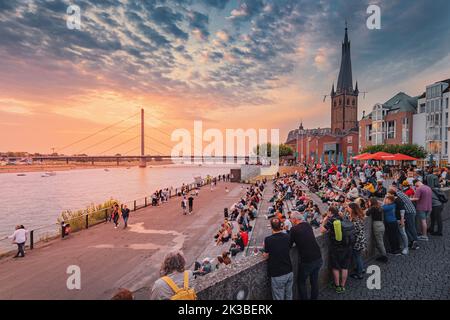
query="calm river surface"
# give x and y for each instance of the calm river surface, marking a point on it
(35, 201)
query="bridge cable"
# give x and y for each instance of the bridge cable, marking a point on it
(97, 132)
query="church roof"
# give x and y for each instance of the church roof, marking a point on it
(345, 81)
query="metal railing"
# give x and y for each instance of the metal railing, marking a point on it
(133, 205)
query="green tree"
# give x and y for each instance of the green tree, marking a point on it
(266, 150)
(412, 150)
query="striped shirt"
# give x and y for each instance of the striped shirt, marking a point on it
(407, 203)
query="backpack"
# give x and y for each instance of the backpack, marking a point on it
(442, 197)
(344, 232)
(184, 293)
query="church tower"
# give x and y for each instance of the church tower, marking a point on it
(344, 100)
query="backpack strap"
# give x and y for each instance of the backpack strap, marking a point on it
(171, 284)
(186, 280)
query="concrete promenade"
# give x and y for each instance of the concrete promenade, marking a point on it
(111, 258)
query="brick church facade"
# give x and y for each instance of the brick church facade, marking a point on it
(338, 143)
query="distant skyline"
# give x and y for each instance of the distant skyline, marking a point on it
(233, 64)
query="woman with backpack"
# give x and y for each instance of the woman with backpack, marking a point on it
(376, 213)
(357, 217)
(175, 282)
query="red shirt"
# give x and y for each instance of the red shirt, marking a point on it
(244, 236)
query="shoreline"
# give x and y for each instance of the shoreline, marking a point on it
(68, 167)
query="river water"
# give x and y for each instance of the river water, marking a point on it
(35, 201)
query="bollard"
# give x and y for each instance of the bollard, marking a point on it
(106, 215)
(145, 202)
(134, 206)
(31, 239)
(87, 221)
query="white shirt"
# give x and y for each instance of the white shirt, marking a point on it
(19, 236)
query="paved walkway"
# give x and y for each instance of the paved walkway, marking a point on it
(423, 274)
(111, 258)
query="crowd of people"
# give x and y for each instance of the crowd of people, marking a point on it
(400, 202)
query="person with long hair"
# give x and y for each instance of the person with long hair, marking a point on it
(173, 266)
(376, 213)
(357, 217)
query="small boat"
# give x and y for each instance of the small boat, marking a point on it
(21, 175)
(106, 169)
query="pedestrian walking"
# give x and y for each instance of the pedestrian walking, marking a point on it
(115, 216)
(19, 237)
(191, 203)
(184, 205)
(125, 215)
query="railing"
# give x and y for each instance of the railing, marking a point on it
(133, 205)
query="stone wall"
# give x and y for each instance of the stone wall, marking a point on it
(247, 279)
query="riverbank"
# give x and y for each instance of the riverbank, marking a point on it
(75, 166)
(111, 258)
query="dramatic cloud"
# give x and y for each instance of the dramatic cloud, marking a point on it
(212, 54)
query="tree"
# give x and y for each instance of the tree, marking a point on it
(412, 150)
(266, 150)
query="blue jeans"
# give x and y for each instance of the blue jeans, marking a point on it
(125, 221)
(410, 226)
(309, 270)
(359, 263)
(282, 286)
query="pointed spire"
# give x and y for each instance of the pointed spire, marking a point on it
(356, 88)
(345, 82)
(332, 90)
(346, 35)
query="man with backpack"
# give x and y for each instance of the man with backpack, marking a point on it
(341, 235)
(175, 280)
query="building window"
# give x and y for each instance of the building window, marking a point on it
(369, 132)
(348, 101)
(405, 131)
(335, 103)
(349, 150)
(422, 108)
(354, 101)
(349, 139)
(446, 103)
(391, 129)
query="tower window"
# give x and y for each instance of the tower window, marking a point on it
(334, 103)
(353, 102)
(348, 101)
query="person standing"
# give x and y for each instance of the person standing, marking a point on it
(184, 205)
(309, 256)
(357, 217)
(19, 237)
(191, 203)
(376, 213)
(116, 215)
(340, 252)
(391, 224)
(424, 199)
(276, 250)
(409, 217)
(436, 213)
(125, 215)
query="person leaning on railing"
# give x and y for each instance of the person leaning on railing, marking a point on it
(20, 237)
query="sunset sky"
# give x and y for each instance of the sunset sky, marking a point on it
(232, 64)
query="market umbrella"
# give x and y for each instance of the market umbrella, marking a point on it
(400, 157)
(376, 156)
(358, 157)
